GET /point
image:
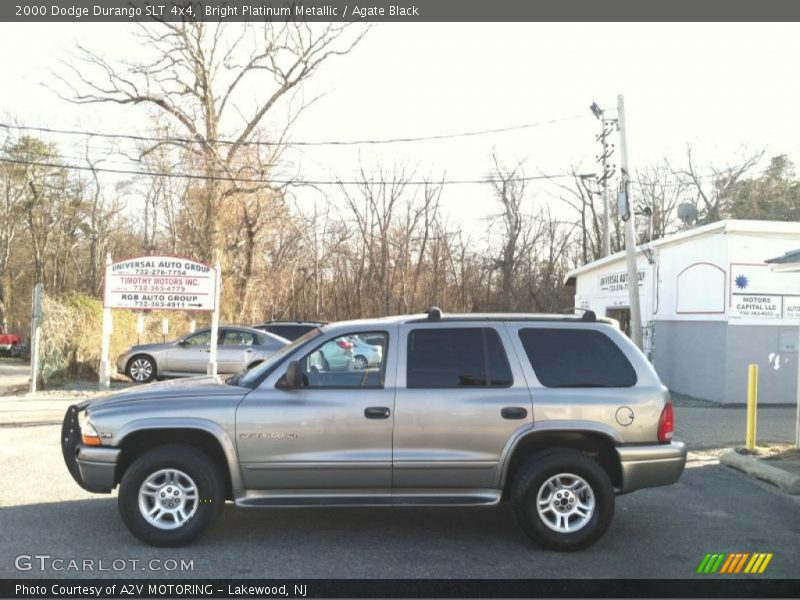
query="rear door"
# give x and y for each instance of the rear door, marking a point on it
(235, 349)
(461, 395)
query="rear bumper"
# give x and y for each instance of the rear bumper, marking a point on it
(92, 467)
(651, 466)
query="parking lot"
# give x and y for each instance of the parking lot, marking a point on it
(656, 533)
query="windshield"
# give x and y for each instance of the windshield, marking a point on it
(257, 374)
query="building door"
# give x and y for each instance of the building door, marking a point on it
(623, 315)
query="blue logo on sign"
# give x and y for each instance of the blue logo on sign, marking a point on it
(741, 282)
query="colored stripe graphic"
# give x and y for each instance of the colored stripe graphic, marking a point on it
(734, 562)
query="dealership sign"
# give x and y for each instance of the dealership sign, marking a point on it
(614, 283)
(160, 283)
(757, 306)
(760, 294)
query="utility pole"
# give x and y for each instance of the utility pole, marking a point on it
(629, 217)
(607, 127)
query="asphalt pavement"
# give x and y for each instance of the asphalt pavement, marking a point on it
(658, 533)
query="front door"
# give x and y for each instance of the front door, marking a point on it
(461, 396)
(190, 355)
(334, 432)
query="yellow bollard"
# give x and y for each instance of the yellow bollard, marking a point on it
(752, 401)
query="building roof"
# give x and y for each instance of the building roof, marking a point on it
(719, 227)
(788, 263)
(790, 257)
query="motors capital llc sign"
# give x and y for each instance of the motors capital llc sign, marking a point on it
(160, 283)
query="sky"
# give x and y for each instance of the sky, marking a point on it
(727, 89)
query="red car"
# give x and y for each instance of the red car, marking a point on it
(7, 341)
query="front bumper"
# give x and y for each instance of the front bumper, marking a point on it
(122, 362)
(92, 467)
(651, 466)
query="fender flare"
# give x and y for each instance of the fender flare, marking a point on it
(560, 426)
(216, 430)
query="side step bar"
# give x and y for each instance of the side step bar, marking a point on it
(300, 498)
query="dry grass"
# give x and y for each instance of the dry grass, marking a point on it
(72, 331)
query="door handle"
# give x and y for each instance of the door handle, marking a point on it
(377, 412)
(513, 412)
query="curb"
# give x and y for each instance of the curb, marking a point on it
(755, 468)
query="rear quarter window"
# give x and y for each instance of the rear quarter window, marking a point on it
(576, 358)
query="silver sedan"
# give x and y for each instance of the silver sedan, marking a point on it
(237, 348)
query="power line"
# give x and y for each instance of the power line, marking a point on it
(396, 140)
(279, 181)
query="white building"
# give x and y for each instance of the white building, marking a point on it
(710, 306)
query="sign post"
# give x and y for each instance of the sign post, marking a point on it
(36, 328)
(212, 346)
(105, 345)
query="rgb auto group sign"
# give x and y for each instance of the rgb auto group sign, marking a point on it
(160, 283)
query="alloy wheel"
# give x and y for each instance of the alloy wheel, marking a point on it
(168, 498)
(565, 503)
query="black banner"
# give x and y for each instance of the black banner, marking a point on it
(718, 587)
(394, 10)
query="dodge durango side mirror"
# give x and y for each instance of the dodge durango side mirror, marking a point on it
(293, 378)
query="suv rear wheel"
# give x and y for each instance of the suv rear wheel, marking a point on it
(170, 495)
(563, 499)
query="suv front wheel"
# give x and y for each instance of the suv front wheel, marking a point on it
(170, 495)
(563, 499)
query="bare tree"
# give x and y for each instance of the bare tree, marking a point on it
(198, 79)
(660, 192)
(715, 196)
(509, 191)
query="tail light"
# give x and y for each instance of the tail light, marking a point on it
(344, 345)
(666, 425)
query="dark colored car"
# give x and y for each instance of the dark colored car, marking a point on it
(290, 330)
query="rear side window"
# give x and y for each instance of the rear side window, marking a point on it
(576, 358)
(456, 357)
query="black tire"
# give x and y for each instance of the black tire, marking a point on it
(194, 463)
(134, 360)
(532, 476)
(360, 362)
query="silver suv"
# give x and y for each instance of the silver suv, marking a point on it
(554, 414)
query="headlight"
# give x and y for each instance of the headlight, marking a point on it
(89, 434)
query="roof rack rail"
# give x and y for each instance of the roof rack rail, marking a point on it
(434, 313)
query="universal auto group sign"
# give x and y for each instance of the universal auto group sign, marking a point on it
(160, 283)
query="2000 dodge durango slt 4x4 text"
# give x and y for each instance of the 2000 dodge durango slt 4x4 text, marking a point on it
(554, 413)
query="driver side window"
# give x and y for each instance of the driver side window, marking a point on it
(201, 338)
(348, 361)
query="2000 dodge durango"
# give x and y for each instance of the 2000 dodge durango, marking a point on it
(553, 413)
